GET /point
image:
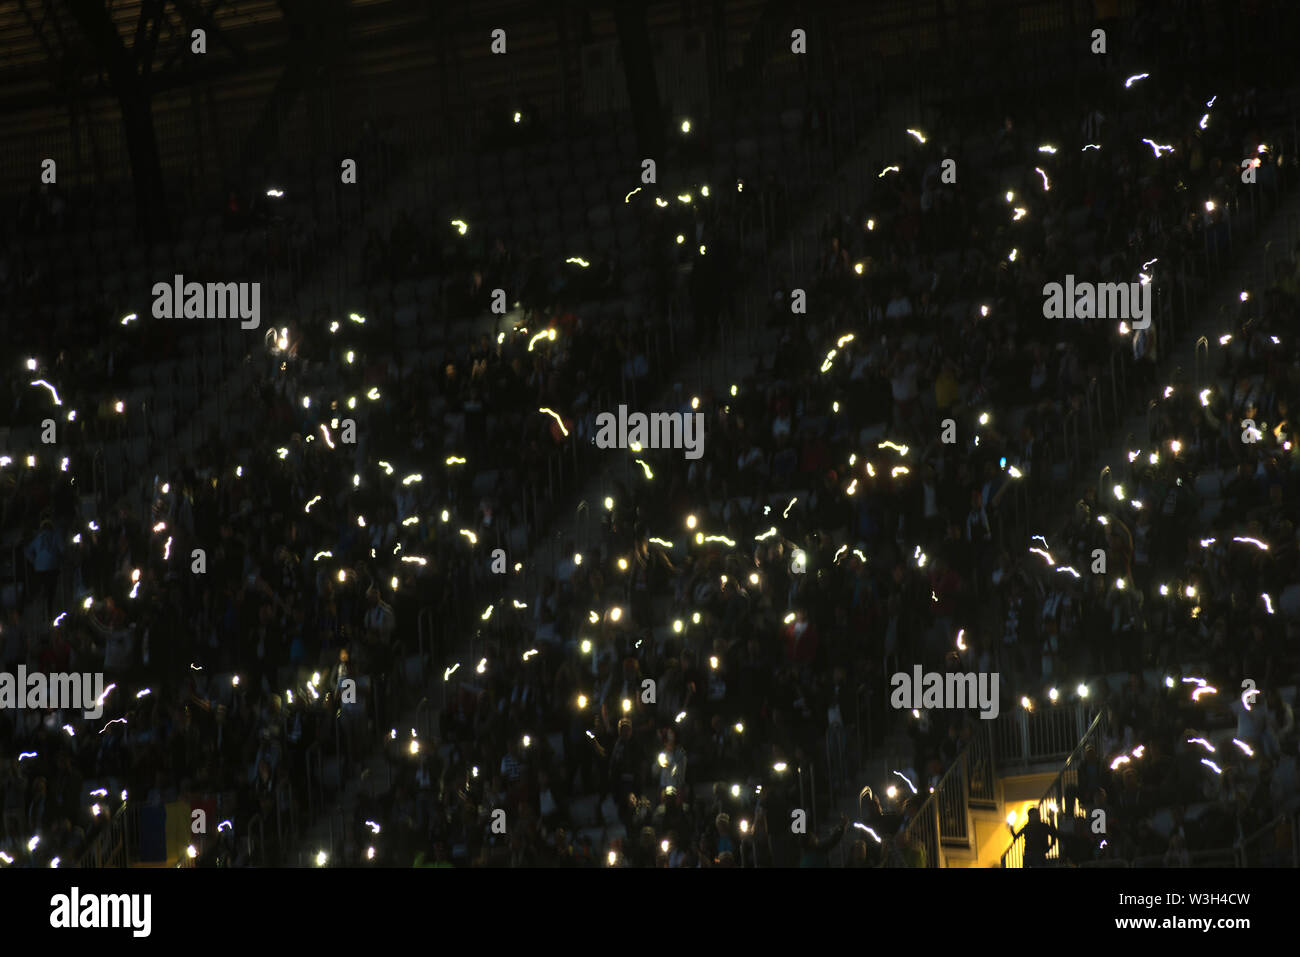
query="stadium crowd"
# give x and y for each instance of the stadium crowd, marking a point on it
(828, 538)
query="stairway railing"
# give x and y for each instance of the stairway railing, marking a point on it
(1026, 737)
(944, 819)
(1053, 803)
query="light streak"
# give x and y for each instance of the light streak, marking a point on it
(905, 778)
(54, 392)
(557, 418)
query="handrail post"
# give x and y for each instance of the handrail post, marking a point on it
(338, 749)
(938, 832)
(965, 799)
(812, 778)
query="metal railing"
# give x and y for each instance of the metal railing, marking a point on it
(256, 852)
(110, 848)
(1062, 795)
(944, 819)
(1041, 735)
(981, 773)
(424, 718)
(284, 805)
(836, 766)
(427, 640)
(315, 782)
(945, 808)
(812, 787)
